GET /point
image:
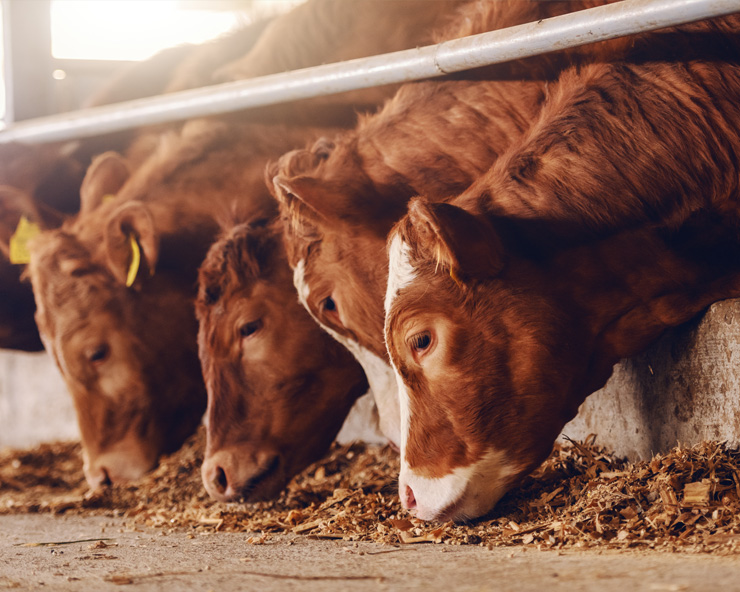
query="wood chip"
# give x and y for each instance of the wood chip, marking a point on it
(696, 493)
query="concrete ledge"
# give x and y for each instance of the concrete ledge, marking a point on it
(34, 403)
(684, 389)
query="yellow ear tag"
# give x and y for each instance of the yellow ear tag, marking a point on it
(19, 253)
(454, 276)
(133, 268)
(107, 197)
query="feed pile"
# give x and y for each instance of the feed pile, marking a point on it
(686, 500)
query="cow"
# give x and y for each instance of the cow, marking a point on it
(341, 197)
(255, 442)
(613, 218)
(279, 388)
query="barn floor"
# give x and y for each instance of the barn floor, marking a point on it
(147, 559)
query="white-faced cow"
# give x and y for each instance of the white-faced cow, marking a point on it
(612, 219)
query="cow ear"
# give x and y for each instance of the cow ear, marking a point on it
(298, 194)
(464, 244)
(21, 218)
(132, 243)
(104, 177)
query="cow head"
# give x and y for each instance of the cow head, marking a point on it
(279, 388)
(496, 341)
(336, 220)
(117, 330)
(468, 351)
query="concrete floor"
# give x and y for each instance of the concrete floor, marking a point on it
(149, 560)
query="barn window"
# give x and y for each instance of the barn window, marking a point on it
(58, 52)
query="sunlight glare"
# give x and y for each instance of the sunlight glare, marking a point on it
(130, 29)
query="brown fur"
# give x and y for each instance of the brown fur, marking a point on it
(51, 175)
(278, 396)
(618, 216)
(647, 114)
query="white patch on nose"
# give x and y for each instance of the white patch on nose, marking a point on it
(400, 271)
(379, 374)
(466, 492)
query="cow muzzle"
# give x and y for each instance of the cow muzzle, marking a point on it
(228, 477)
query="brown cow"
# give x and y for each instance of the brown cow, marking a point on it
(612, 219)
(237, 454)
(342, 197)
(279, 387)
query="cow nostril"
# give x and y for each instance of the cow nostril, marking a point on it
(409, 499)
(106, 480)
(220, 482)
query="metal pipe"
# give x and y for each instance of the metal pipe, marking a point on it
(570, 30)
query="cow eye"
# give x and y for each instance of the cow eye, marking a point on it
(98, 354)
(420, 342)
(328, 304)
(248, 329)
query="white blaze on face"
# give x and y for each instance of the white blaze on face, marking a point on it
(400, 274)
(379, 374)
(400, 271)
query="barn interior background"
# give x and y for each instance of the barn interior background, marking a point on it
(683, 389)
(57, 52)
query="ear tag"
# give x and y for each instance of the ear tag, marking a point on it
(107, 197)
(133, 268)
(455, 277)
(19, 253)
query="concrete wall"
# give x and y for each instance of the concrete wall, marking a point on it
(34, 403)
(685, 388)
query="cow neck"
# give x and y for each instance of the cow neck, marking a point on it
(457, 128)
(597, 160)
(626, 290)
